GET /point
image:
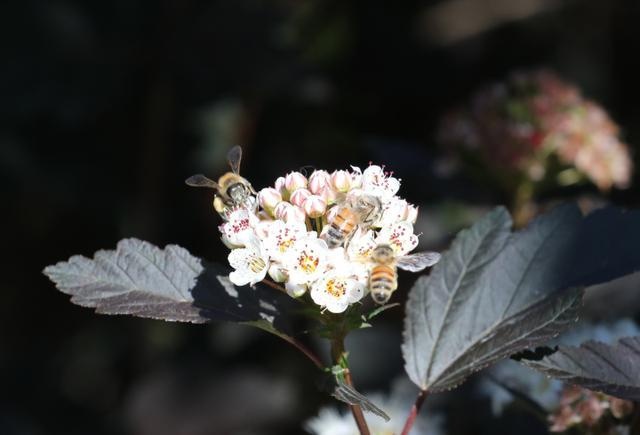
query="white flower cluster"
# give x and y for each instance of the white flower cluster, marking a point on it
(285, 238)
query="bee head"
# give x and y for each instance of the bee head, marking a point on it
(238, 192)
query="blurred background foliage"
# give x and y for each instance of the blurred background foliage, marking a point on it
(106, 107)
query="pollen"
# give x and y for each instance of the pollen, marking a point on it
(284, 243)
(308, 263)
(256, 264)
(335, 288)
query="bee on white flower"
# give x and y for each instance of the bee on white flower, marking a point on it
(362, 219)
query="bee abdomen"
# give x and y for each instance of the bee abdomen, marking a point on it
(383, 277)
(340, 227)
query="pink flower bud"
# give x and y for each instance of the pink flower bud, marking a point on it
(294, 180)
(277, 273)
(341, 180)
(298, 196)
(269, 198)
(328, 194)
(331, 214)
(314, 206)
(319, 180)
(295, 290)
(280, 209)
(293, 214)
(279, 185)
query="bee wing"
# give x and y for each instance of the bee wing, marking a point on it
(418, 261)
(234, 157)
(200, 180)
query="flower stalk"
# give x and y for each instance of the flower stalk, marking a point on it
(339, 356)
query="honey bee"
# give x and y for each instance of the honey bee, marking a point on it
(383, 279)
(361, 211)
(233, 190)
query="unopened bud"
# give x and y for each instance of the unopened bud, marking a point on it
(294, 180)
(341, 180)
(279, 185)
(292, 213)
(280, 209)
(314, 206)
(319, 180)
(295, 290)
(328, 194)
(269, 198)
(277, 273)
(298, 196)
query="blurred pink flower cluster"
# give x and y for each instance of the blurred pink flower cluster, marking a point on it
(588, 409)
(518, 124)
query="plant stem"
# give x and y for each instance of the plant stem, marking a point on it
(522, 204)
(273, 285)
(339, 356)
(415, 409)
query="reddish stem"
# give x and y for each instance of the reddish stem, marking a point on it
(338, 353)
(415, 409)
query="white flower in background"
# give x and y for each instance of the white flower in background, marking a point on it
(238, 227)
(396, 404)
(251, 263)
(399, 236)
(306, 261)
(338, 287)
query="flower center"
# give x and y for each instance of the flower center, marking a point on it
(284, 244)
(256, 264)
(335, 288)
(308, 263)
(397, 237)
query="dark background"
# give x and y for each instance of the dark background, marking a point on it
(107, 106)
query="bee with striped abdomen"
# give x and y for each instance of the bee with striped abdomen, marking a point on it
(363, 210)
(383, 279)
(233, 190)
